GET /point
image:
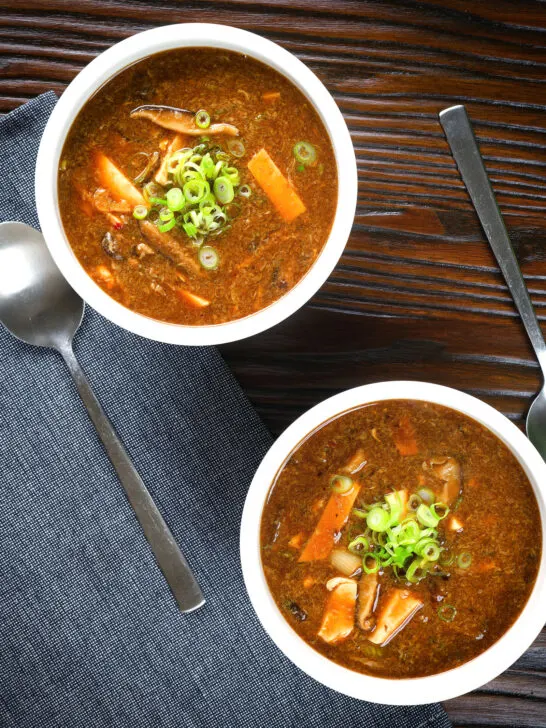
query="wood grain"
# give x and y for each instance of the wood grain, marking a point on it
(417, 294)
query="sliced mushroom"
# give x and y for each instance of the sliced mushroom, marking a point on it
(180, 120)
(367, 597)
(448, 470)
(169, 247)
(110, 245)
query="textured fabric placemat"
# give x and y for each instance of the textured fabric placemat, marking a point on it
(89, 632)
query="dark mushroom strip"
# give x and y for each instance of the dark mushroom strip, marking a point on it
(169, 247)
(110, 245)
(180, 120)
(367, 597)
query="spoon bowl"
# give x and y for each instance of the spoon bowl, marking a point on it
(39, 307)
(536, 422)
(36, 303)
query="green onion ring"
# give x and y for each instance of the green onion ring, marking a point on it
(341, 484)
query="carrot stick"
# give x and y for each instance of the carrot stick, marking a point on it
(176, 143)
(404, 437)
(271, 96)
(192, 298)
(115, 181)
(275, 185)
(399, 607)
(339, 616)
(333, 518)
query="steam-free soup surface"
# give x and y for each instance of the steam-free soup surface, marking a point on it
(401, 539)
(205, 211)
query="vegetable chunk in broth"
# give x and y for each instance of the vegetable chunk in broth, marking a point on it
(401, 539)
(197, 186)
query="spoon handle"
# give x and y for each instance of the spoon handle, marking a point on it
(165, 549)
(461, 139)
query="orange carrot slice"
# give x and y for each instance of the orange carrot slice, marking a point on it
(333, 518)
(271, 96)
(115, 181)
(275, 185)
(339, 616)
(192, 298)
(404, 437)
(399, 607)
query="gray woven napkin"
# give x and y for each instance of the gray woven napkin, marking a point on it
(89, 632)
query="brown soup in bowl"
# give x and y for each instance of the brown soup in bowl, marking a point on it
(401, 539)
(197, 186)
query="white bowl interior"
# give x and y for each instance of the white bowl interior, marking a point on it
(108, 64)
(443, 686)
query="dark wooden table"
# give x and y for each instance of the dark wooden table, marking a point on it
(417, 293)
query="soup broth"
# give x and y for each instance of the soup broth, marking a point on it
(401, 539)
(197, 186)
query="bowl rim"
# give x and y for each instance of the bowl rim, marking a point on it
(129, 51)
(408, 691)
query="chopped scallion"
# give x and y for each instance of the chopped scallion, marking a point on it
(341, 484)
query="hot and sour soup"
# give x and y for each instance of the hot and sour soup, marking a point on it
(401, 539)
(197, 186)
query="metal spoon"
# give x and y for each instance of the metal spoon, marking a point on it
(461, 139)
(38, 306)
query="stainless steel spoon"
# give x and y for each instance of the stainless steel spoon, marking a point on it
(461, 139)
(38, 306)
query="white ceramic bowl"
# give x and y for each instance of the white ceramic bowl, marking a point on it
(108, 64)
(413, 691)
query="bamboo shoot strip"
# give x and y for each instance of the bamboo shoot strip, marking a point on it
(115, 181)
(397, 610)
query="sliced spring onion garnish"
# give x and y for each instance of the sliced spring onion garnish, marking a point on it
(426, 516)
(447, 612)
(359, 545)
(165, 214)
(140, 212)
(370, 563)
(416, 570)
(208, 257)
(414, 501)
(236, 147)
(223, 189)
(194, 191)
(175, 199)
(403, 533)
(431, 551)
(202, 119)
(378, 519)
(341, 484)
(440, 510)
(305, 153)
(464, 560)
(166, 226)
(190, 229)
(446, 558)
(198, 195)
